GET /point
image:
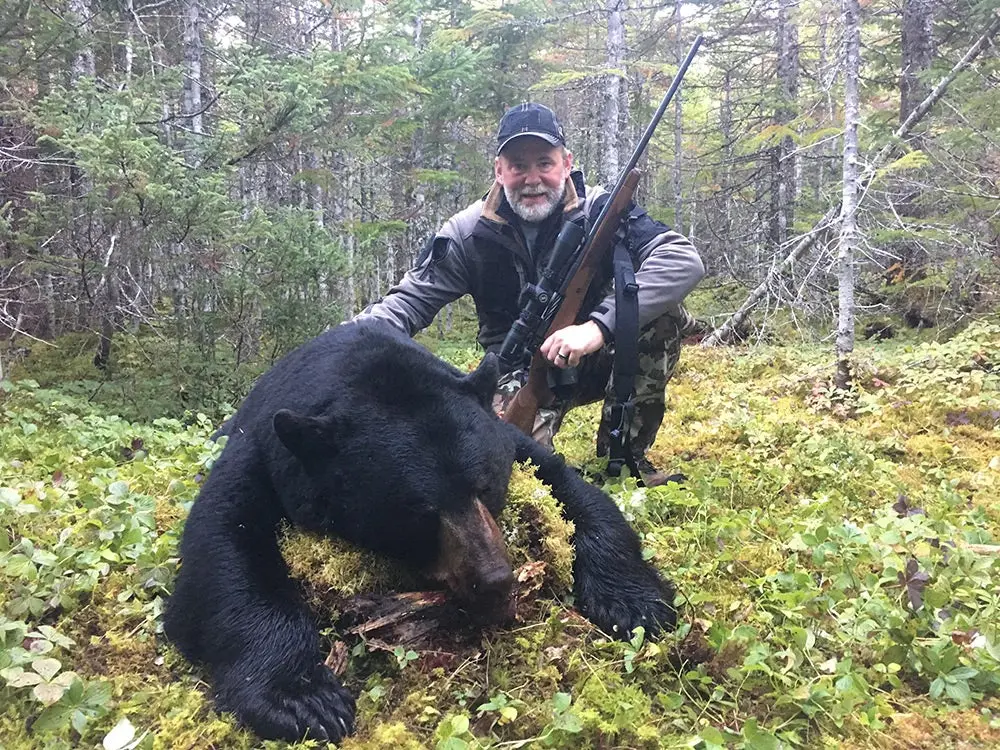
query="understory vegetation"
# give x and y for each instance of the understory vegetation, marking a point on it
(837, 558)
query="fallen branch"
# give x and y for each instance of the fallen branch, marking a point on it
(806, 241)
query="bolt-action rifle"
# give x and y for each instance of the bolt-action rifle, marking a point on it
(555, 301)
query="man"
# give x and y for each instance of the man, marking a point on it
(497, 245)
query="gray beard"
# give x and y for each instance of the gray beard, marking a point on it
(538, 213)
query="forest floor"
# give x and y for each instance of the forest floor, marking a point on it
(837, 560)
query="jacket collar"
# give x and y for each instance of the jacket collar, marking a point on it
(497, 209)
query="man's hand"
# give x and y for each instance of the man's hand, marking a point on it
(567, 346)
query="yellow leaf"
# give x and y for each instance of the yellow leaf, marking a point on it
(48, 692)
(47, 668)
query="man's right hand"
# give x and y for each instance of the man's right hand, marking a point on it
(567, 346)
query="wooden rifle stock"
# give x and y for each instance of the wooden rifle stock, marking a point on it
(535, 393)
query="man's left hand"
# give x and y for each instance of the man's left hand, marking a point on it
(567, 346)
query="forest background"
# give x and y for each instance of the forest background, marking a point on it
(229, 178)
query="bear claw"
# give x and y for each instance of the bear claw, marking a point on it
(316, 706)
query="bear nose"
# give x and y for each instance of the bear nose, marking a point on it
(491, 598)
(495, 584)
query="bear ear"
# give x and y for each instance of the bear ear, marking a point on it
(483, 380)
(306, 437)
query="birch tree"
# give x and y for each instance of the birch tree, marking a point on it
(783, 154)
(611, 93)
(849, 196)
(194, 49)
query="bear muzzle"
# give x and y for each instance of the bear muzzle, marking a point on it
(473, 563)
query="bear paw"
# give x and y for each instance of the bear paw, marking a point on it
(313, 706)
(620, 598)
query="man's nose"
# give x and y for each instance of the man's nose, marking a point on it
(533, 176)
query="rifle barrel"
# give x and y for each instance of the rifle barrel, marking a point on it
(650, 129)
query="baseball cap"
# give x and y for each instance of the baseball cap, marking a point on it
(529, 119)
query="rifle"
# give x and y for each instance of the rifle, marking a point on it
(555, 301)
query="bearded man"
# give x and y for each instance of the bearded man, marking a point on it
(498, 245)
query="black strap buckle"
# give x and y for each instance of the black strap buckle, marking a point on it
(618, 447)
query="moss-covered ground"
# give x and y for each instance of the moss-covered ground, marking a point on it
(837, 558)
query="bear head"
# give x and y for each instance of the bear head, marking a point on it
(407, 459)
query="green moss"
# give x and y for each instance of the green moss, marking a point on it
(334, 567)
(388, 735)
(535, 529)
(611, 707)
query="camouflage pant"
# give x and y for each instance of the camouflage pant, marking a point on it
(659, 349)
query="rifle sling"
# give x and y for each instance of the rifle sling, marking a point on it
(626, 362)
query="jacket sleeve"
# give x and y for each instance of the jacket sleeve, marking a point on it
(438, 278)
(668, 268)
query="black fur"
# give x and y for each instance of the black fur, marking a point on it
(363, 434)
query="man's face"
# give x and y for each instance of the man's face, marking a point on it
(533, 176)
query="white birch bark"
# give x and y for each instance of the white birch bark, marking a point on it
(128, 42)
(194, 50)
(849, 197)
(611, 93)
(678, 131)
(83, 60)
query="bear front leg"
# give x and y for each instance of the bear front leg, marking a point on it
(235, 609)
(615, 588)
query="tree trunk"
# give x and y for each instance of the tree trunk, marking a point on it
(107, 297)
(849, 199)
(128, 42)
(917, 45)
(83, 60)
(611, 93)
(83, 229)
(194, 50)
(678, 130)
(783, 154)
(918, 54)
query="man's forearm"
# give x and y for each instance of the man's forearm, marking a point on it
(669, 270)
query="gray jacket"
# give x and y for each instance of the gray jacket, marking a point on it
(482, 251)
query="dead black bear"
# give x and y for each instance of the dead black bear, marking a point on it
(364, 434)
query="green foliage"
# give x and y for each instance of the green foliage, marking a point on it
(910, 160)
(149, 375)
(91, 550)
